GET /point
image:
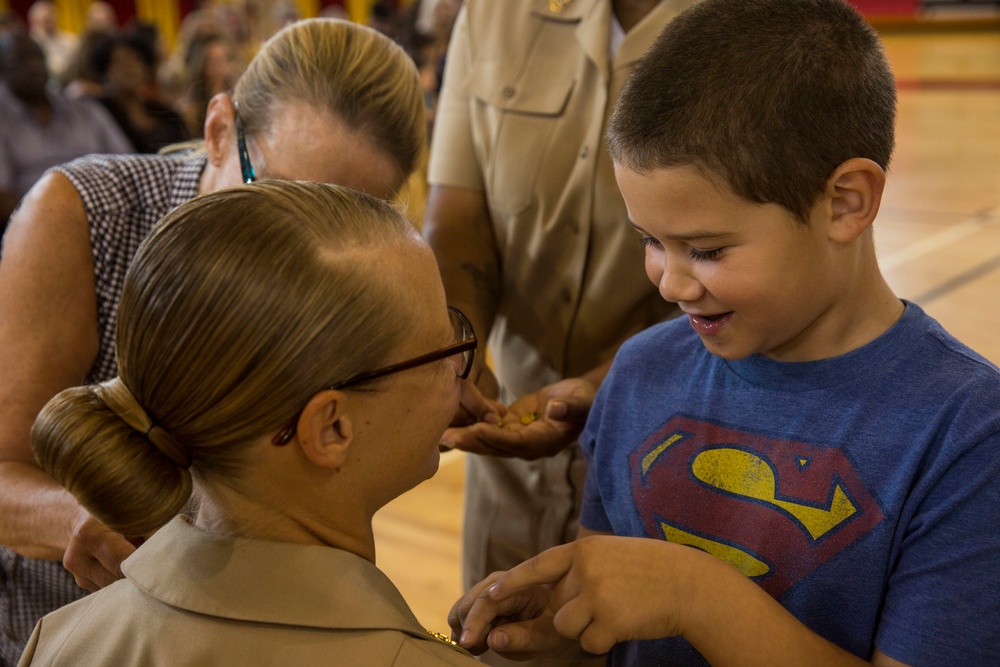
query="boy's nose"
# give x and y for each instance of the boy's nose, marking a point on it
(677, 285)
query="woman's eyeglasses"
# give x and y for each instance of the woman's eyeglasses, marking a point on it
(465, 345)
(246, 167)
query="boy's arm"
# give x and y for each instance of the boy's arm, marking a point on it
(599, 595)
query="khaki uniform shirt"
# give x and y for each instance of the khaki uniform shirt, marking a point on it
(528, 92)
(193, 598)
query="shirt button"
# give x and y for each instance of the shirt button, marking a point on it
(508, 92)
(585, 152)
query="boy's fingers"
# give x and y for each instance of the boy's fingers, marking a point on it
(547, 567)
(461, 608)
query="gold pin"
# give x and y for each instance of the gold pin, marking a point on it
(556, 6)
(442, 638)
(529, 417)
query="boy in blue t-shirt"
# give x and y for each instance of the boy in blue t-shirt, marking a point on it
(816, 462)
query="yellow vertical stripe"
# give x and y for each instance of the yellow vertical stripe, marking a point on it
(162, 13)
(308, 8)
(70, 14)
(359, 10)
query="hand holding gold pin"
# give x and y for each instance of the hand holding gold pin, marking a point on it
(536, 425)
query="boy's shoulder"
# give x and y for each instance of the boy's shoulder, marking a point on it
(663, 341)
(938, 352)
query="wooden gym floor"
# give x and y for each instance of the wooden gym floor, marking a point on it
(938, 237)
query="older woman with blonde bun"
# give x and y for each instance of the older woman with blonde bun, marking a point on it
(286, 351)
(323, 100)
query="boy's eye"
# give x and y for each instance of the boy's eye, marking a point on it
(705, 255)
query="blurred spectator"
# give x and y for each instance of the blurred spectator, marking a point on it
(9, 21)
(58, 46)
(81, 79)
(283, 14)
(125, 65)
(425, 35)
(211, 66)
(39, 127)
(101, 17)
(334, 12)
(384, 18)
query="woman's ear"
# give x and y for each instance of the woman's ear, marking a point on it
(220, 128)
(855, 194)
(324, 429)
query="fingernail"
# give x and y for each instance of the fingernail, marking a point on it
(556, 409)
(493, 591)
(464, 638)
(498, 640)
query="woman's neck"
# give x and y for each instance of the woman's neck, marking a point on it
(225, 511)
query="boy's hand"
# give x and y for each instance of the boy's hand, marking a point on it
(537, 425)
(518, 627)
(600, 592)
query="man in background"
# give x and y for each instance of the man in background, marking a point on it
(39, 127)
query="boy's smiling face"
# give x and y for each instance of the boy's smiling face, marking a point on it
(751, 277)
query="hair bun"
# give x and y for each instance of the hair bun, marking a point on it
(123, 403)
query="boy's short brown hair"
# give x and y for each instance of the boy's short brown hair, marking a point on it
(769, 96)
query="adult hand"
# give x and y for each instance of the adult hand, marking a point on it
(600, 593)
(537, 425)
(476, 613)
(477, 403)
(95, 553)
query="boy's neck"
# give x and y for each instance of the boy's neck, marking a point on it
(878, 309)
(868, 309)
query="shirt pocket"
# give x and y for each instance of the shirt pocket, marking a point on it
(518, 119)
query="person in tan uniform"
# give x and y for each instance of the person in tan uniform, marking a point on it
(529, 229)
(286, 353)
(323, 100)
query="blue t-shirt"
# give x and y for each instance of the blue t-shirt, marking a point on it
(862, 492)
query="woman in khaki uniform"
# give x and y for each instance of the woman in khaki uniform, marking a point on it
(285, 351)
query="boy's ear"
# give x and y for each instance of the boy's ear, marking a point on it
(854, 192)
(220, 128)
(324, 429)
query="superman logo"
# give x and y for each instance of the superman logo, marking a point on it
(774, 509)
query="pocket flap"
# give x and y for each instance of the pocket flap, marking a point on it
(495, 84)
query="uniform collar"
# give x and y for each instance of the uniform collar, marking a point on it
(593, 20)
(641, 36)
(267, 582)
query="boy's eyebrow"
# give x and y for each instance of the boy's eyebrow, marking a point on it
(691, 236)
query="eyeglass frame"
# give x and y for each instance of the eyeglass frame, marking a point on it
(246, 167)
(285, 435)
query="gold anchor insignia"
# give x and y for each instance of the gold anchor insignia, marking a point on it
(556, 6)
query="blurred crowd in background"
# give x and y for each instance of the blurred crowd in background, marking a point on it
(155, 94)
(159, 95)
